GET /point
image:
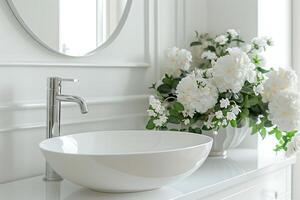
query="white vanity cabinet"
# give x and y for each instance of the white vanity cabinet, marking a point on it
(244, 175)
(271, 186)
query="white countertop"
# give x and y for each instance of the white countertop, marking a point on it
(215, 175)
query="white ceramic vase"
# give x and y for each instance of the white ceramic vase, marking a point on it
(226, 138)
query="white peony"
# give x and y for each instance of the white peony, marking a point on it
(151, 113)
(233, 33)
(156, 105)
(184, 59)
(278, 80)
(160, 121)
(209, 55)
(177, 60)
(258, 89)
(154, 102)
(231, 71)
(186, 122)
(260, 43)
(221, 39)
(194, 96)
(208, 73)
(284, 110)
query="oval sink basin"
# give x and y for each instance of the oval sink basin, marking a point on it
(126, 161)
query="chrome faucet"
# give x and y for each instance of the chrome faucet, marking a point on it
(54, 99)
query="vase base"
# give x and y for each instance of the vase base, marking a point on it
(221, 154)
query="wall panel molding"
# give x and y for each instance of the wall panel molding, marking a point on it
(155, 11)
(180, 25)
(31, 126)
(75, 65)
(13, 106)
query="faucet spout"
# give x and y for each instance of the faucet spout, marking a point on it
(54, 99)
(71, 98)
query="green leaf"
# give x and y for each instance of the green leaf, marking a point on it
(247, 90)
(239, 98)
(253, 101)
(211, 48)
(245, 113)
(168, 81)
(150, 124)
(252, 121)
(163, 128)
(198, 130)
(195, 130)
(191, 130)
(238, 40)
(174, 112)
(178, 106)
(262, 70)
(233, 123)
(291, 134)
(268, 123)
(173, 119)
(228, 95)
(175, 83)
(255, 110)
(164, 89)
(205, 128)
(263, 132)
(278, 134)
(246, 104)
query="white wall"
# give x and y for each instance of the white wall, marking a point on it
(296, 65)
(275, 21)
(277, 24)
(114, 80)
(240, 15)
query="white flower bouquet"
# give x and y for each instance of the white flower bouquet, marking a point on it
(224, 82)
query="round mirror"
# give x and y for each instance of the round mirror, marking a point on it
(72, 27)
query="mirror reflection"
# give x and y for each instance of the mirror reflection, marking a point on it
(71, 27)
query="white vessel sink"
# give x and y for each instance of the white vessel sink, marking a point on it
(126, 161)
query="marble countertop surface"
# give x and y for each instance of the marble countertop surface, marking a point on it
(215, 175)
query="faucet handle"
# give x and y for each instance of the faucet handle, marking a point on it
(55, 82)
(69, 80)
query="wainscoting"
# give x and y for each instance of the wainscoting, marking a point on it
(114, 81)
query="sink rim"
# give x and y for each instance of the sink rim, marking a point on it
(42, 145)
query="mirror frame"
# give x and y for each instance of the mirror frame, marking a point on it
(112, 37)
